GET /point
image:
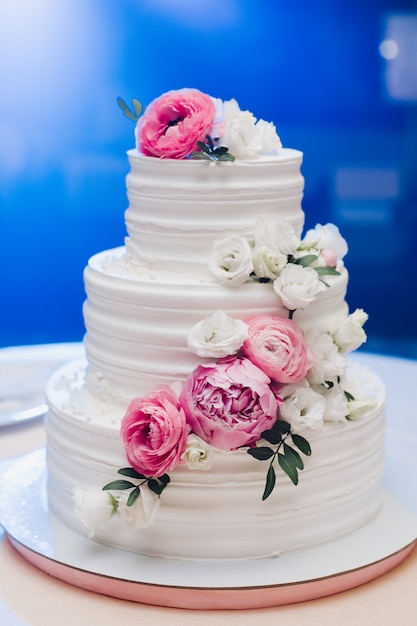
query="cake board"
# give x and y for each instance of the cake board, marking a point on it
(47, 543)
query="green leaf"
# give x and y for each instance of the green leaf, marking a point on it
(204, 148)
(270, 482)
(122, 104)
(137, 105)
(133, 496)
(302, 444)
(200, 155)
(326, 271)
(288, 468)
(119, 484)
(324, 283)
(293, 457)
(263, 453)
(306, 260)
(226, 157)
(281, 426)
(272, 436)
(349, 396)
(132, 473)
(209, 143)
(155, 486)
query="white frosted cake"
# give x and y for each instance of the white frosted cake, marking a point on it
(217, 414)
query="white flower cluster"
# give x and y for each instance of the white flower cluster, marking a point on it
(277, 255)
(320, 397)
(95, 508)
(244, 136)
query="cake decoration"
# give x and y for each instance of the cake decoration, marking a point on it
(216, 364)
(236, 401)
(187, 123)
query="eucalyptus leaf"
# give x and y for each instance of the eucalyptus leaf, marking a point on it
(200, 155)
(327, 271)
(155, 487)
(270, 482)
(288, 468)
(302, 444)
(122, 104)
(293, 457)
(281, 426)
(119, 484)
(133, 496)
(263, 453)
(137, 105)
(306, 260)
(165, 479)
(226, 157)
(203, 147)
(132, 473)
(324, 283)
(272, 436)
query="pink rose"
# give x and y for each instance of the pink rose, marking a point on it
(277, 346)
(154, 432)
(173, 123)
(229, 403)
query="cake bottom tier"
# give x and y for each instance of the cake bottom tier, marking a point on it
(219, 513)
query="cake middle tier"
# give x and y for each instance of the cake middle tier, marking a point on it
(138, 319)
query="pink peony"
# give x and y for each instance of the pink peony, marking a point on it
(277, 346)
(173, 123)
(154, 432)
(229, 403)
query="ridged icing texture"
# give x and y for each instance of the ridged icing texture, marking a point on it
(218, 514)
(138, 319)
(178, 209)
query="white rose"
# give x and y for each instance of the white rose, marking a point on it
(302, 406)
(360, 406)
(326, 237)
(349, 334)
(94, 508)
(218, 335)
(297, 286)
(231, 261)
(242, 139)
(336, 407)
(277, 232)
(197, 454)
(232, 111)
(268, 261)
(328, 362)
(239, 132)
(142, 513)
(270, 141)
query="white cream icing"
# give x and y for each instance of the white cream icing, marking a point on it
(218, 513)
(179, 208)
(142, 300)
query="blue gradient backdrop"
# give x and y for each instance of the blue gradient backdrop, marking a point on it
(318, 70)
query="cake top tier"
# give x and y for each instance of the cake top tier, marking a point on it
(188, 124)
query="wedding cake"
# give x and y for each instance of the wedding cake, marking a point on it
(217, 414)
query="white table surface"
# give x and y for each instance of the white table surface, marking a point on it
(40, 600)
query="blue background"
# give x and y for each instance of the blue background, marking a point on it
(314, 68)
